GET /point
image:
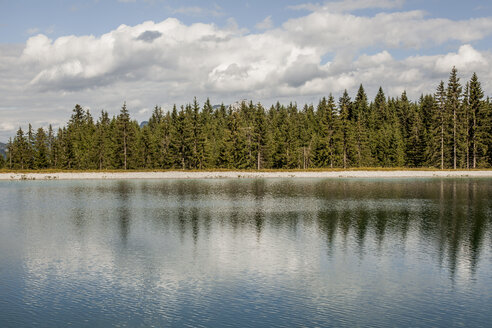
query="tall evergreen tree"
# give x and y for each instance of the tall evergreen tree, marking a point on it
(441, 118)
(102, 142)
(479, 135)
(30, 148)
(41, 151)
(20, 152)
(453, 103)
(125, 135)
(360, 119)
(346, 129)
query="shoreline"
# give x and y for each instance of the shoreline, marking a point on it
(168, 175)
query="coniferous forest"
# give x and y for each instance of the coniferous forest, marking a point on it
(448, 129)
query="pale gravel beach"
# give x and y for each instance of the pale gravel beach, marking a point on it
(238, 175)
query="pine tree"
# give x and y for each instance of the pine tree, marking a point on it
(2, 161)
(479, 135)
(360, 119)
(152, 141)
(324, 143)
(30, 148)
(222, 136)
(487, 123)
(412, 131)
(173, 158)
(102, 142)
(10, 152)
(431, 132)
(260, 135)
(41, 151)
(19, 151)
(441, 119)
(453, 103)
(208, 134)
(123, 137)
(237, 143)
(51, 147)
(346, 130)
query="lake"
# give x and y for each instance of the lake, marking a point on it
(246, 253)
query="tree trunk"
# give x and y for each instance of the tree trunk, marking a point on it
(454, 138)
(474, 141)
(304, 157)
(442, 146)
(344, 158)
(124, 144)
(258, 159)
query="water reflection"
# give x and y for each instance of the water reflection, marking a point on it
(308, 251)
(451, 215)
(123, 192)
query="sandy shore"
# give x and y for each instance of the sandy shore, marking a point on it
(236, 175)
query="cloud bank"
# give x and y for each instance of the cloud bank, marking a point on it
(328, 50)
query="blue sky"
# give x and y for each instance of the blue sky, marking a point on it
(20, 18)
(54, 54)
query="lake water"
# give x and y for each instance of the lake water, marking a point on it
(248, 253)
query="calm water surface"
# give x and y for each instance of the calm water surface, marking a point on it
(250, 253)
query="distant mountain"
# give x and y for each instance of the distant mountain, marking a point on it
(235, 106)
(3, 149)
(144, 123)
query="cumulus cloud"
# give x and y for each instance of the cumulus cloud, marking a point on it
(466, 58)
(216, 59)
(169, 61)
(393, 30)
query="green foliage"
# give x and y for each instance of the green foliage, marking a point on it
(2, 161)
(41, 150)
(449, 129)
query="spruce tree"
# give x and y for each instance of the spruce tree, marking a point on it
(453, 103)
(479, 135)
(260, 135)
(20, 153)
(30, 148)
(360, 119)
(346, 129)
(431, 131)
(125, 138)
(41, 151)
(10, 151)
(102, 142)
(441, 118)
(2, 161)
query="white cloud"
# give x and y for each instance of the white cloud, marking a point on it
(466, 58)
(204, 57)
(265, 24)
(143, 111)
(394, 30)
(166, 62)
(7, 126)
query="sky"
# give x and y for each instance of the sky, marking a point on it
(100, 53)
